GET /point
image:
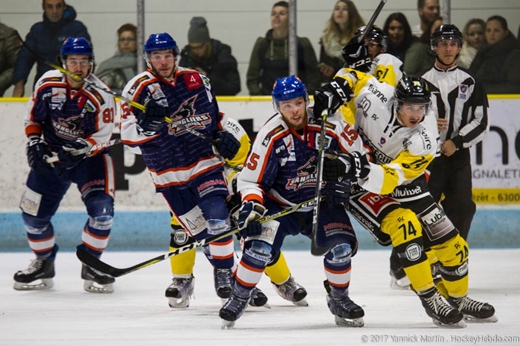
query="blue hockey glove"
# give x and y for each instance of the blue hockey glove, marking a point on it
(72, 153)
(337, 193)
(37, 152)
(153, 119)
(340, 166)
(227, 144)
(331, 96)
(248, 214)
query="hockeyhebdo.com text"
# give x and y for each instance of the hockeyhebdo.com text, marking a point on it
(485, 339)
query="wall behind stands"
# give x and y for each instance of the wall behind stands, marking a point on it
(235, 22)
(142, 219)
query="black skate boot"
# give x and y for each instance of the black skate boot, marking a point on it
(346, 312)
(96, 281)
(223, 282)
(179, 292)
(258, 298)
(474, 311)
(442, 313)
(38, 276)
(292, 291)
(231, 311)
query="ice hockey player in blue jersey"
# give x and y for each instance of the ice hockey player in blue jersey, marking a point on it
(68, 117)
(280, 172)
(186, 169)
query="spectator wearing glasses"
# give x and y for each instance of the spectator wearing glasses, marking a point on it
(122, 66)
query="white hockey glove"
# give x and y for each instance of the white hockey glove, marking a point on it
(248, 214)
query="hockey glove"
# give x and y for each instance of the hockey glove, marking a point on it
(153, 119)
(340, 166)
(248, 214)
(37, 153)
(72, 153)
(337, 193)
(227, 144)
(331, 96)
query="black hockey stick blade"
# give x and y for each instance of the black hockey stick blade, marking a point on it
(92, 261)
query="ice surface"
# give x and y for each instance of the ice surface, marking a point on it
(137, 312)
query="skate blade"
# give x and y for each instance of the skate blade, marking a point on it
(344, 322)
(227, 324)
(471, 319)
(302, 302)
(458, 325)
(179, 303)
(93, 287)
(37, 285)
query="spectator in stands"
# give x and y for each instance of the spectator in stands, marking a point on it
(122, 66)
(428, 10)
(45, 39)
(497, 63)
(339, 29)
(419, 56)
(399, 34)
(270, 56)
(473, 40)
(9, 48)
(211, 58)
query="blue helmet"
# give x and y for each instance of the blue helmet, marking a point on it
(76, 45)
(161, 41)
(288, 88)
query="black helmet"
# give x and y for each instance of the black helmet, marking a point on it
(412, 90)
(375, 34)
(445, 32)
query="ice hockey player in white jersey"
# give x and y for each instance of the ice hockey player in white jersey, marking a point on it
(391, 191)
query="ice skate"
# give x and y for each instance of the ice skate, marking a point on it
(223, 282)
(398, 279)
(474, 311)
(346, 312)
(96, 281)
(258, 298)
(232, 310)
(39, 274)
(442, 313)
(292, 291)
(180, 292)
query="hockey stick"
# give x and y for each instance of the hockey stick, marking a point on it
(315, 249)
(368, 26)
(96, 147)
(92, 261)
(81, 79)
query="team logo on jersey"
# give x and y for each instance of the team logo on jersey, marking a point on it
(463, 91)
(185, 117)
(306, 176)
(382, 141)
(69, 128)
